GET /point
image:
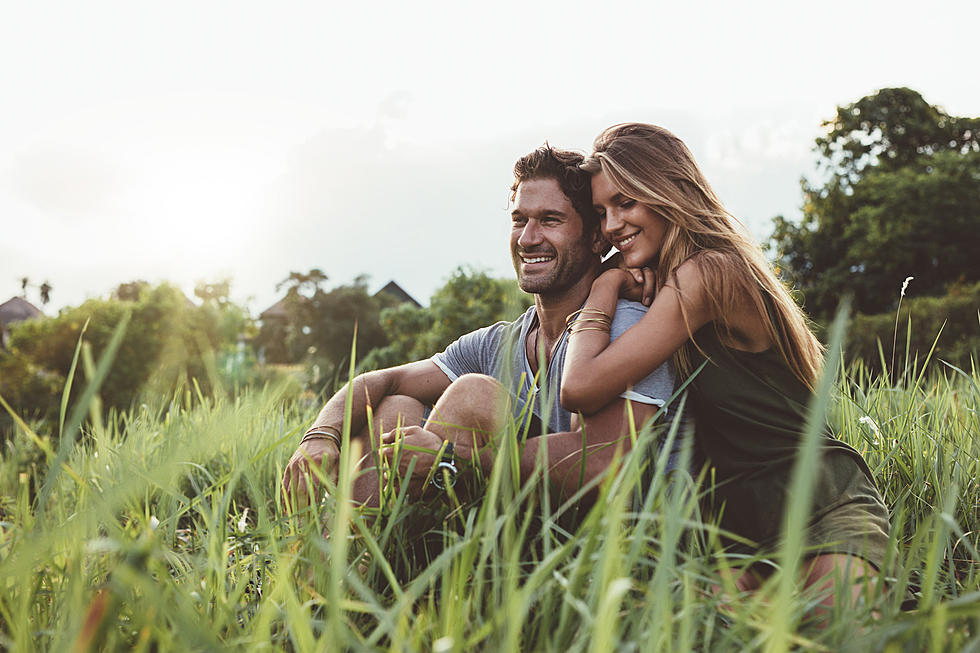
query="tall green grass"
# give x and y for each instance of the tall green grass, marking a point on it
(163, 529)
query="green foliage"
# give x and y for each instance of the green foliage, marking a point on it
(165, 532)
(169, 342)
(899, 199)
(318, 327)
(891, 129)
(469, 300)
(955, 314)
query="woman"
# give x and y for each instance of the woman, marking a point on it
(717, 298)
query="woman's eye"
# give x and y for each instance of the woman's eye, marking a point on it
(627, 204)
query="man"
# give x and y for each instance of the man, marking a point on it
(556, 246)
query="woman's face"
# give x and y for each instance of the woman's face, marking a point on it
(633, 228)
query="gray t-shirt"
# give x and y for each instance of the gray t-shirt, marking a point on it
(499, 351)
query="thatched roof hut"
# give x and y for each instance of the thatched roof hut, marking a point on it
(15, 309)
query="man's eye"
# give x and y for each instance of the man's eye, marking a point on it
(519, 222)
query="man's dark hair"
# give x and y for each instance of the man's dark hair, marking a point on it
(548, 162)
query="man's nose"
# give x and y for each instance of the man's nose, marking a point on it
(530, 235)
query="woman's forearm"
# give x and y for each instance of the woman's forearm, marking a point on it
(582, 388)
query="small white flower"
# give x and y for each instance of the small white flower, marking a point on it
(870, 423)
(443, 644)
(905, 284)
(243, 522)
(154, 522)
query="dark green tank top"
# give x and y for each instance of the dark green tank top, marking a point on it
(750, 412)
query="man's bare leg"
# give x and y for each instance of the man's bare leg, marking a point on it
(473, 412)
(469, 414)
(393, 411)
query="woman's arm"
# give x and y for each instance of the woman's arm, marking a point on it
(597, 371)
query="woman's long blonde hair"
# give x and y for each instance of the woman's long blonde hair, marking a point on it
(652, 166)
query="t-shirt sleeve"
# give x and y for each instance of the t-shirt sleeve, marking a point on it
(657, 387)
(472, 353)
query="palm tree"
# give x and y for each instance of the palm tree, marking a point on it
(45, 289)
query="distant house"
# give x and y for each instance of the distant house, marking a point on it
(278, 311)
(396, 291)
(16, 309)
(275, 312)
(274, 329)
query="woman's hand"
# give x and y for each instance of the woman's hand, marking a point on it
(634, 284)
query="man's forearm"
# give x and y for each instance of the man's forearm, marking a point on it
(421, 381)
(570, 461)
(366, 389)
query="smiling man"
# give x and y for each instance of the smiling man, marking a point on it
(501, 370)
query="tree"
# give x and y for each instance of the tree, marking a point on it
(890, 129)
(168, 341)
(319, 324)
(901, 182)
(214, 292)
(307, 284)
(130, 291)
(45, 290)
(470, 299)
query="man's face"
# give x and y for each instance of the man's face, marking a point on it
(550, 251)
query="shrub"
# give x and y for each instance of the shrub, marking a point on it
(955, 314)
(169, 341)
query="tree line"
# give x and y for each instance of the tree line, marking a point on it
(896, 195)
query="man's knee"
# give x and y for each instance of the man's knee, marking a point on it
(394, 411)
(473, 386)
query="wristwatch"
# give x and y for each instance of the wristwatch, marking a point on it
(447, 465)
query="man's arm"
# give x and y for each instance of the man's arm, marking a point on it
(421, 381)
(470, 415)
(606, 435)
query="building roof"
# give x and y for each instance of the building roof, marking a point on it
(17, 309)
(396, 291)
(277, 310)
(392, 289)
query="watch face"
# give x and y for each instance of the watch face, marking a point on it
(437, 477)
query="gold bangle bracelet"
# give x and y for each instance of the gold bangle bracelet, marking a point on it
(574, 331)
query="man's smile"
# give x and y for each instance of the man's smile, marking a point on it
(539, 258)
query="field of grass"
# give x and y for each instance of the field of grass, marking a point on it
(162, 529)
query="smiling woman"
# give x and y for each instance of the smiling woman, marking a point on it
(721, 314)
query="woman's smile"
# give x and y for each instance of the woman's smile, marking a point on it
(633, 228)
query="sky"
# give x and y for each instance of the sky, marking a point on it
(197, 141)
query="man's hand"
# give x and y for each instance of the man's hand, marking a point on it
(321, 453)
(416, 444)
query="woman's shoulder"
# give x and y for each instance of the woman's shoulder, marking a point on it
(710, 260)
